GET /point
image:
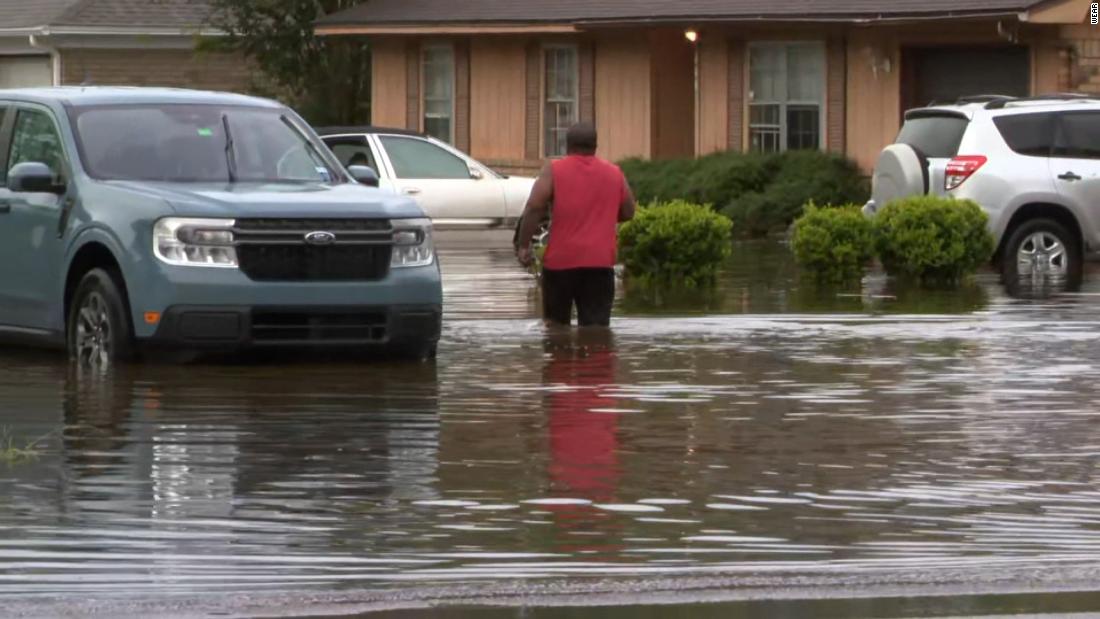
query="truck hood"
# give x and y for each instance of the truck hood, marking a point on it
(276, 200)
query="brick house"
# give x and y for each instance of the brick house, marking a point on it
(115, 42)
(673, 79)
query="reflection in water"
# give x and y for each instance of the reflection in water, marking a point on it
(884, 439)
(580, 373)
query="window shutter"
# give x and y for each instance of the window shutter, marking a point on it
(737, 95)
(462, 96)
(534, 105)
(587, 72)
(412, 79)
(835, 88)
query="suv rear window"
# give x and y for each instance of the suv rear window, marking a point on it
(1027, 134)
(935, 136)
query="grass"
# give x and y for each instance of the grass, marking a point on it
(13, 453)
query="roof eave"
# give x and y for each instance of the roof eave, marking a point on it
(482, 27)
(806, 19)
(454, 28)
(158, 31)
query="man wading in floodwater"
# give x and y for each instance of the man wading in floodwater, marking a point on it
(590, 198)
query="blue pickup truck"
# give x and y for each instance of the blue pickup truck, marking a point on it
(136, 219)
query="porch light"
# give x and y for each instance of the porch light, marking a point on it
(691, 35)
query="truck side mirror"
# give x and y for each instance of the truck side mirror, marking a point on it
(33, 177)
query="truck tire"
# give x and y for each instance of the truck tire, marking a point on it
(98, 330)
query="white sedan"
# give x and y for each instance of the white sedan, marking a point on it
(454, 189)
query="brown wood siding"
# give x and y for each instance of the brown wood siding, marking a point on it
(498, 74)
(586, 69)
(533, 122)
(673, 87)
(873, 96)
(737, 51)
(1049, 69)
(835, 102)
(1084, 61)
(462, 96)
(389, 89)
(180, 68)
(623, 111)
(412, 89)
(714, 95)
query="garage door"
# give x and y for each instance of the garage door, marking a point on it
(25, 71)
(946, 73)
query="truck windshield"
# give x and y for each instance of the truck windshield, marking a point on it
(198, 144)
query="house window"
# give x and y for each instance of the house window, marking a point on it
(786, 91)
(561, 96)
(439, 92)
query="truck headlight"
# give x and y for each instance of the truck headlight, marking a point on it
(195, 242)
(412, 243)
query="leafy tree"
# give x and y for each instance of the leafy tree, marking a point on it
(327, 79)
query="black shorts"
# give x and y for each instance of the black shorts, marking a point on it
(592, 290)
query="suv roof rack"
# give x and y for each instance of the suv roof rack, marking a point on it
(983, 99)
(1062, 96)
(968, 99)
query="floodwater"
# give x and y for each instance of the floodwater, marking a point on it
(769, 448)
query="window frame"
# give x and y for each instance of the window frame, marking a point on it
(359, 140)
(1056, 150)
(383, 137)
(7, 138)
(544, 95)
(7, 123)
(424, 49)
(1054, 124)
(785, 102)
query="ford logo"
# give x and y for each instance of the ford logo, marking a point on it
(320, 238)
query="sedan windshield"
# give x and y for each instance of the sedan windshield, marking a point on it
(198, 144)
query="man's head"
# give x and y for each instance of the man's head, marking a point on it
(581, 139)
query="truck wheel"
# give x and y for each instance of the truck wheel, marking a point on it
(98, 328)
(1042, 251)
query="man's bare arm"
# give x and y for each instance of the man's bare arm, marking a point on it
(537, 207)
(628, 208)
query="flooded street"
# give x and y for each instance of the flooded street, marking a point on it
(766, 441)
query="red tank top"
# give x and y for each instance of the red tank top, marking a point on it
(588, 192)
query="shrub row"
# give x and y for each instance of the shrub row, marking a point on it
(760, 193)
(926, 238)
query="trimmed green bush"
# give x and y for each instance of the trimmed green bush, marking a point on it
(833, 244)
(761, 193)
(933, 239)
(675, 243)
(800, 177)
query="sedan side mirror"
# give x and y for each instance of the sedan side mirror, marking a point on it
(364, 174)
(476, 174)
(33, 177)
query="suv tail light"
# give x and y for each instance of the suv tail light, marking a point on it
(961, 168)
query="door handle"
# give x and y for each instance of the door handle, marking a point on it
(412, 191)
(1069, 176)
(5, 207)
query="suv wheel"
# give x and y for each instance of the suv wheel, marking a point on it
(1042, 251)
(98, 328)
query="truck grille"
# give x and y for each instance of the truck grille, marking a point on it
(277, 250)
(289, 326)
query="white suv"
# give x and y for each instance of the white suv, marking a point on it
(1033, 164)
